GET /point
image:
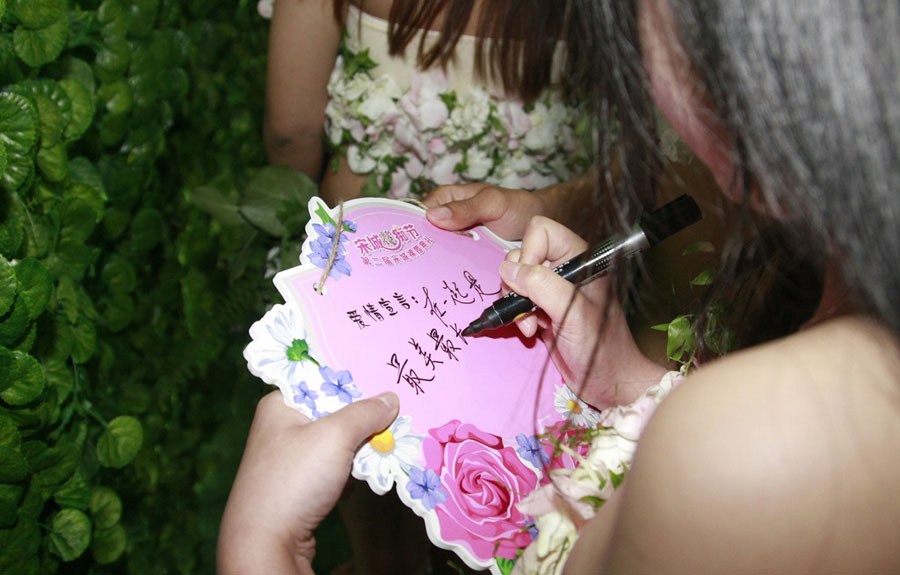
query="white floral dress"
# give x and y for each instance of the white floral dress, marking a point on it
(410, 130)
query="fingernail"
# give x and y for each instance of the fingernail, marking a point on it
(389, 399)
(439, 213)
(509, 271)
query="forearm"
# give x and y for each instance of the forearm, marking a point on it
(301, 150)
(568, 202)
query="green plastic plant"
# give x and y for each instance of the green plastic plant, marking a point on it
(135, 221)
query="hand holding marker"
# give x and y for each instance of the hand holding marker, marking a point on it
(651, 229)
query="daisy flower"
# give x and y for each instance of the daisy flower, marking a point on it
(573, 409)
(388, 454)
(278, 352)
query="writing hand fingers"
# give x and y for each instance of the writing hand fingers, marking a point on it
(549, 241)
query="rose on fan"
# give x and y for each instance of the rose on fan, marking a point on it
(484, 480)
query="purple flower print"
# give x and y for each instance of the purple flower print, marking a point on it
(426, 485)
(338, 383)
(304, 395)
(321, 250)
(530, 450)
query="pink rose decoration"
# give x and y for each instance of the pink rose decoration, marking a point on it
(484, 481)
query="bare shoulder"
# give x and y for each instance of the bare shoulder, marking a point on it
(783, 458)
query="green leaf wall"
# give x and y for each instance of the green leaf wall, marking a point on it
(137, 222)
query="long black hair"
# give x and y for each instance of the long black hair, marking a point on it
(809, 91)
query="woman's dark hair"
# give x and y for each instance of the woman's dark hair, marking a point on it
(516, 38)
(810, 93)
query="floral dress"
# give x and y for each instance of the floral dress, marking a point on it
(410, 130)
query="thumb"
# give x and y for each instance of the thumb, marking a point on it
(485, 206)
(365, 417)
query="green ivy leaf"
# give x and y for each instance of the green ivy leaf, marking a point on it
(705, 277)
(39, 47)
(82, 108)
(505, 565)
(115, 222)
(35, 14)
(72, 257)
(146, 230)
(19, 132)
(110, 10)
(10, 495)
(83, 172)
(74, 493)
(27, 380)
(58, 375)
(120, 443)
(77, 219)
(270, 189)
(50, 119)
(116, 97)
(703, 247)
(106, 507)
(216, 204)
(59, 463)
(118, 312)
(70, 534)
(119, 276)
(15, 323)
(109, 544)
(67, 298)
(7, 285)
(53, 162)
(3, 159)
(80, 71)
(84, 342)
(36, 285)
(680, 338)
(19, 543)
(141, 17)
(40, 235)
(9, 433)
(13, 466)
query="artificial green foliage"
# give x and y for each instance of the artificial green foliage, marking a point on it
(137, 221)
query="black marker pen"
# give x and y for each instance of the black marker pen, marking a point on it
(651, 229)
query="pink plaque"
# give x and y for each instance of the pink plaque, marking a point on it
(470, 439)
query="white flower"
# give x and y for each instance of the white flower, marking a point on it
(573, 409)
(387, 455)
(612, 450)
(276, 352)
(442, 172)
(547, 554)
(354, 88)
(478, 162)
(265, 8)
(542, 135)
(409, 138)
(514, 118)
(469, 118)
(358, 161)
(376, 107)
(422, 103)
(400, 183)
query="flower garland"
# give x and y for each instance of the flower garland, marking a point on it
(573, 495)
(409, 141)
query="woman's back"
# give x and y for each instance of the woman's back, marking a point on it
(783, 458)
